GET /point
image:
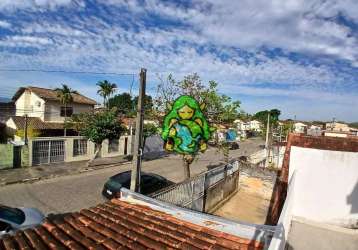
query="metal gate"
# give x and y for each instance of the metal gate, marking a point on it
(44, 152)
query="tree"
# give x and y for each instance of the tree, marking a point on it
(148, 104)
(262, 116)
(65, 94)
(106, 89)
(123, 102)
(218, 107)
(100, 126)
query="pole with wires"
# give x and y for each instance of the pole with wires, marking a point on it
(138, 140)
(267, 140)
(25, 129)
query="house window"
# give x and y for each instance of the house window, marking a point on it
(66, 111)
(113, 145)
(79, 147)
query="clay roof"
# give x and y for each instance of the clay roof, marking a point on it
(123, 225)
(35, 123)
(51, 95)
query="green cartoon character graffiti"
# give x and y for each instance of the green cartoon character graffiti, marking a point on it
(185, 129)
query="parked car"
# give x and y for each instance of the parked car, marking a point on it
(13, 219)
(149, 183)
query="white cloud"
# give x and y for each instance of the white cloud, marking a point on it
(12, 5)
(213, 42)
(293, 25)
(5, 24)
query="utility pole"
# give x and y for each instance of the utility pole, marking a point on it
(138, 139)
(25, 132)
(267, 140)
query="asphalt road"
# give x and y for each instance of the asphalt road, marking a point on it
(71, 193)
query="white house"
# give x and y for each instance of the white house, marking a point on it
(337, 126)
(314, 130)
(255, 126)
(299, 127)
(44, 110)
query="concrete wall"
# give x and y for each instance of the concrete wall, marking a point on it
(31, 104)
(6, 156)
(69, 142)
(335, 134)
(326, 186)
(53, 110)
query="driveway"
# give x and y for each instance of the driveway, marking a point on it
(71, 193)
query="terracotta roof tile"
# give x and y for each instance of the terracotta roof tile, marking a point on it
(51, 95)
(35, 123)
(122, 225)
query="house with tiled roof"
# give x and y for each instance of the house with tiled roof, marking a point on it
(44, 110)
(134, 221)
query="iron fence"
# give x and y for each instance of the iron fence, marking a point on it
(113, 145)
(48, 151)
(79, 147)
(205, 191)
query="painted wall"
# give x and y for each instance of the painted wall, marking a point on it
(53, 110)
(49, 111)
(326, 185)
(6, 156)
(335, 134)
(30, 104)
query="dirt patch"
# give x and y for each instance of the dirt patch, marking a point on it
(250, 204)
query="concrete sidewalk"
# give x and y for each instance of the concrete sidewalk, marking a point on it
(47, 171)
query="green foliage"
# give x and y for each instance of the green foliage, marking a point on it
(123, 102)
(149, 129)
(353, 124)
(65, 94)
(100, 126)
(106, 89)
(148, 104)
(287, 128)
(263, 115)
(128, 105)
(219, 107)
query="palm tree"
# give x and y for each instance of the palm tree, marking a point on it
(106, 89)
(65, 94)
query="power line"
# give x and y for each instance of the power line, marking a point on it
(70, 72)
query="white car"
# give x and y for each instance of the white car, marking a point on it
(13, 219)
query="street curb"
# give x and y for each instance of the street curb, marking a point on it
(79, 171)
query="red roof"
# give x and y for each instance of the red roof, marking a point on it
(122, 225)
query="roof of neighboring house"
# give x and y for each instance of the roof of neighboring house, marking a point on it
(51, 95)
(35, 123)
(124, 224)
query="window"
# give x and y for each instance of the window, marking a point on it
(79, 147)
(113, 145)
(13, 215)
(66, 111)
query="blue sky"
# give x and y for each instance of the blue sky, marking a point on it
(298, 56)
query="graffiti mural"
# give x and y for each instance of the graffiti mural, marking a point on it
(185, 128)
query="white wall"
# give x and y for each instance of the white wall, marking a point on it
(53, 110)
(326, 185)
(30, 104)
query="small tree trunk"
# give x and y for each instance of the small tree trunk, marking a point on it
(99, 147)
(226, 149)
(187, 160)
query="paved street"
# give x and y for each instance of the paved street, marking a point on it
(71, 193)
